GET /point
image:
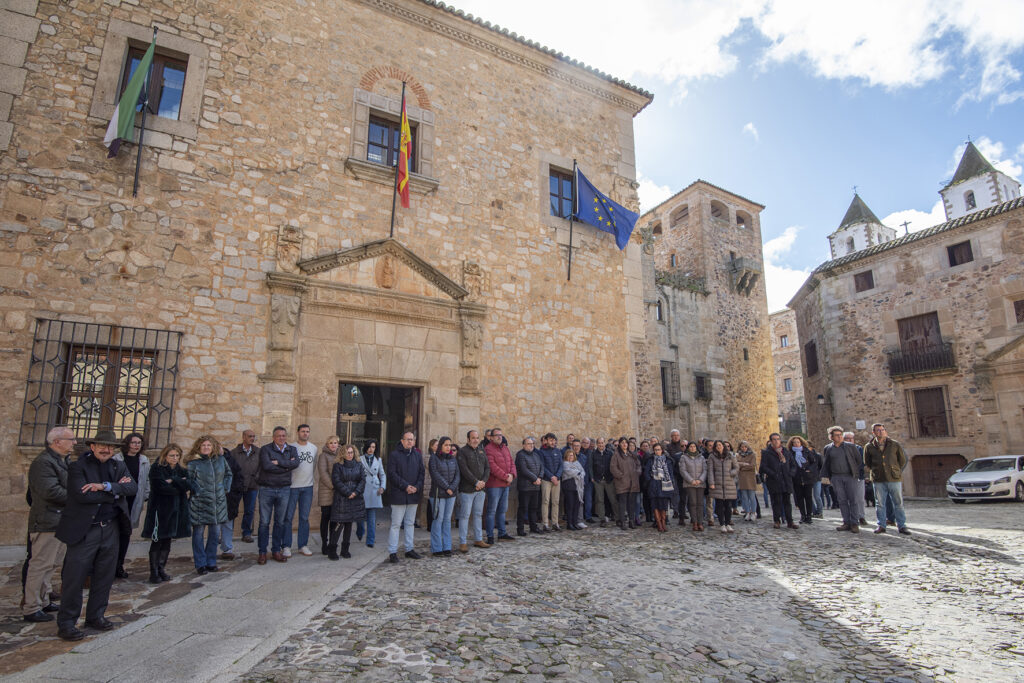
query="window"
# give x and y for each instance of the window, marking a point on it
(91, 377)
(719, 210)
(701, 386)
(960, 254)
(383, 141)
(166, 86)
(811, 358)
(928, 412)
(1018, 310)
(862, 282)
(672, 261)
(746, 354)
(743, 219)
(787, 384)
(560, 189)
(659, 312)
(850, 245)
(784, 341)
(919, 333)
(680, 215)
(969, 200)
(670, 394)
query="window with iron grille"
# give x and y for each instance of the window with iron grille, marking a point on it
(701, 386)
(811, 358)
(1018, 310)
(670, 394)
(862, 282)
(960, 253)
(91, 376)
(928, 413)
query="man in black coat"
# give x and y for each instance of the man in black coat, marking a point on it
(405, 488)
(97, 506)
(777, 469)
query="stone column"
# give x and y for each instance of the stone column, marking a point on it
(279, 380)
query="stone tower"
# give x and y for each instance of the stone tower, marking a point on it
(976, 185)
(859, 229)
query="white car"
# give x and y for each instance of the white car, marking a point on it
(1001, 476)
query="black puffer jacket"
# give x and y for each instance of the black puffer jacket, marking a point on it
(348, 477)
(444, 475)
(167, 514)
(777, 475)
(529, 468)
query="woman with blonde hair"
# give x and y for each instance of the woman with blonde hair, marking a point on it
(349, 481)
(325, 460)
(167, 514)
(210, 479)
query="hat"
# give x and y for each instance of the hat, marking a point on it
(104, 437)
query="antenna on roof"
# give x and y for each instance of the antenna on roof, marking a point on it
(906, 229)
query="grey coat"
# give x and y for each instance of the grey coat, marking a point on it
(722, 475)
(844, 450)
(375, 481)
(143, 483)
(210, 479)
(48, 485)
(692, 466)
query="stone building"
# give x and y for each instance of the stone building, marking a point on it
(926, 334)
(789, 375)
(709, 364)
(254, 280)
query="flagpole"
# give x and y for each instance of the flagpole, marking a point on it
(394, 195)
(572, 214)
(142, 127)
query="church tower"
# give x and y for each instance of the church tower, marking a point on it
(859, 229)
(976, 185)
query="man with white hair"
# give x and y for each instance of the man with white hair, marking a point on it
(848, 438)
(842, 463)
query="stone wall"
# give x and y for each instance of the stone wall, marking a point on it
(788, 365)
(261, 176)
(856, 332)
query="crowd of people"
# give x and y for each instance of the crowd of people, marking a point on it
(84, 509)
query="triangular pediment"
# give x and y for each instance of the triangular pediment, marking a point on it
(1012, 351)
(384, 264)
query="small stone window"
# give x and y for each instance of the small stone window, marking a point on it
(670, 394)
(1018, 310)
(960, 254)
(679, 215)
(702, 386)
(784, 341)
(787, 384)
(560, 191)
(719, 211)
(862, 282)
(166, 84)
(659, 311)
(746, 354)
(969, 200)
(811, 358)
(850, 245)
(743, 219)
(672, 261)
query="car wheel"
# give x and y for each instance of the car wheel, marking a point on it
(1020, 492)
(958, 501)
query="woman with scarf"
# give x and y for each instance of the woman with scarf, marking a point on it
(444, 477)
(373, 492)
(806, 473)
(722, 471)
(572, 489)
(658, 474)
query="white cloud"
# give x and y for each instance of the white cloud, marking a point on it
(781, 280)
(751, 129)
(650, 193)
(916, 220)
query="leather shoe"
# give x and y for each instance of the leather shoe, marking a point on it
(505, 537)
(70, 633)
(121, 573)
(463, 548)
(52, 607)
(101, 624)
(246, 539)
(201, 571)
(227, 556)
(211, 568)
(278, 557)
(413, 555)
(904, 530)
(481, 544)
(854, 528)
(261, 558)
(879, 529)
(393, 558)
(843, 527)
(38, 617)
(792, 525)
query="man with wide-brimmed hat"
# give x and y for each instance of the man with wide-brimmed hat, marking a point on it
(98, 487)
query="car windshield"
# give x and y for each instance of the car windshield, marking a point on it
(989, 465)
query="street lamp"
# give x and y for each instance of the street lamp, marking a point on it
(821, 399)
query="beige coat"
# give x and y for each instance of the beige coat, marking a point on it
(747, 463)
(324, 488)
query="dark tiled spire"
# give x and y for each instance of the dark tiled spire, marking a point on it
(972, 164)
(858, 213)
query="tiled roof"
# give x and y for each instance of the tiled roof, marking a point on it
(698, 180)
(972, 164)
(858, 213)
(536, 46)
(923, 234)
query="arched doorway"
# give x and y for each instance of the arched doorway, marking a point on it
(932, 471)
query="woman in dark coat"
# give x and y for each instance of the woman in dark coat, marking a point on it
(625, 469)
(349, 481)
(660, 483)
(444, 484)
(167, 514)
(806, 473)
(776, 471)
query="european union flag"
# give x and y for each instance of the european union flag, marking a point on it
(596, 209)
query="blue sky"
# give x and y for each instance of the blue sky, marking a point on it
(792, 103)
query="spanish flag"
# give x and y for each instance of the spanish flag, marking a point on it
(404, 152)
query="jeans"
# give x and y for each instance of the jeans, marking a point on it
(588, 499)
(371, 527)
(471, 504)
(497, 504)
(227, 529)
(816, 497)
(767, 497)
(886, 491)
(401, 514)
(205, 554)
(249, 510)
(272, 501)
(302, 499)
(748, 499)
(441, 527)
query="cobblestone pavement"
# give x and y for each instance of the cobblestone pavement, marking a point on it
(946, 603)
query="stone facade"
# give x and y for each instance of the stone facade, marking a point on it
(710, 368)
(933, 348)
(258, 245)
(789, 374)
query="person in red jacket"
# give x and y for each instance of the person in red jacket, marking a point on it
(503, 473)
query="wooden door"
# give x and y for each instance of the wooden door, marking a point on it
(932, 471)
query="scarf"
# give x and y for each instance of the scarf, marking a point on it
(660, 472)
(798, 453)
(573, 470)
